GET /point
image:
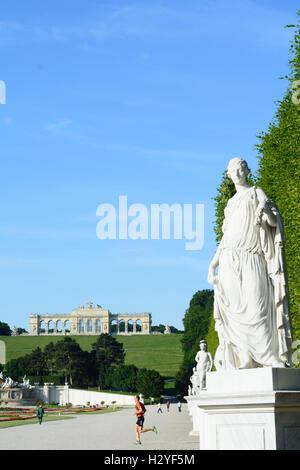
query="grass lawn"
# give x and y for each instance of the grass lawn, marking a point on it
(162, 353)
(54, 417)
(9, 424)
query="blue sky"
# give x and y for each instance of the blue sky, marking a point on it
(148, 99)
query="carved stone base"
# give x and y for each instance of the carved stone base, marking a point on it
(17, 397)
(252, 409)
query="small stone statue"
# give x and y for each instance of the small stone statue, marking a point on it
(194, 389)
(25, 383)
(14, 331)
(167, 330)
(141, 398)
(204, 364)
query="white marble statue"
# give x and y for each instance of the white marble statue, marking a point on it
(204, 364)
(250, 288)
(9, 383)
(167, 330)
(25, 383)
(14, 331)
(194, 379)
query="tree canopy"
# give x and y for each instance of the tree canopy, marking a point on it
(108, 350)
(196, 324)
(4, 329)
(103, 367)
(279, 172)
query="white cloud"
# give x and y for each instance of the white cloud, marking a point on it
(247, 20)
(59, 127)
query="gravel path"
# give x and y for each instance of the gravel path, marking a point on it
(110, 431)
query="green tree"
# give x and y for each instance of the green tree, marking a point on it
(4, 329)
(278, 175)
(107, 351)
(49, 353)
(104, 376)
(279, 172)
(21, 330)
(196, 324)
(161, 328)
(158, 328)
(196, 320)
(16, 367)
(124, 377)
(36, 362)
(69, 358)
(150, 383)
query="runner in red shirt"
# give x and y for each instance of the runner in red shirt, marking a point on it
(140, 410)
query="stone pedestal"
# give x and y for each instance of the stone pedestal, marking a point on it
(14, 397)
(252, 409)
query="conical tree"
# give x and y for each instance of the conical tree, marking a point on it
(279, 172)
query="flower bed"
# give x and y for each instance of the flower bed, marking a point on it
(23, 413)
(16, 418)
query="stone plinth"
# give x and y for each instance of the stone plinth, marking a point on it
(17, 397)
(251, 409)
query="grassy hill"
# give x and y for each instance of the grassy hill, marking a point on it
(159, 352)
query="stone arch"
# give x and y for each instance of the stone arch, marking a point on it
(59, 326)
(67, 326)
(114, 327)
(121, 325)
(51, 326)
(42, 327)
(130, 326)
(139, 326)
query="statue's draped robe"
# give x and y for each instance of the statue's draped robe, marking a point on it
(251, 304)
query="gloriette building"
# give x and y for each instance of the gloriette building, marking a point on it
(90, 320)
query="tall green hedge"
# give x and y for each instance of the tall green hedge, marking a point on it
(278, 175)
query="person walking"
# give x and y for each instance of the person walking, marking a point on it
(168, 405)
(179, 406)
(140, 410)
(159, 410)
(40, 413)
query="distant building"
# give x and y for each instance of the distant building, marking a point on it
(90, 320)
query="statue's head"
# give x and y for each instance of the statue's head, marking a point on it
(237, 164)
(203, 345)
